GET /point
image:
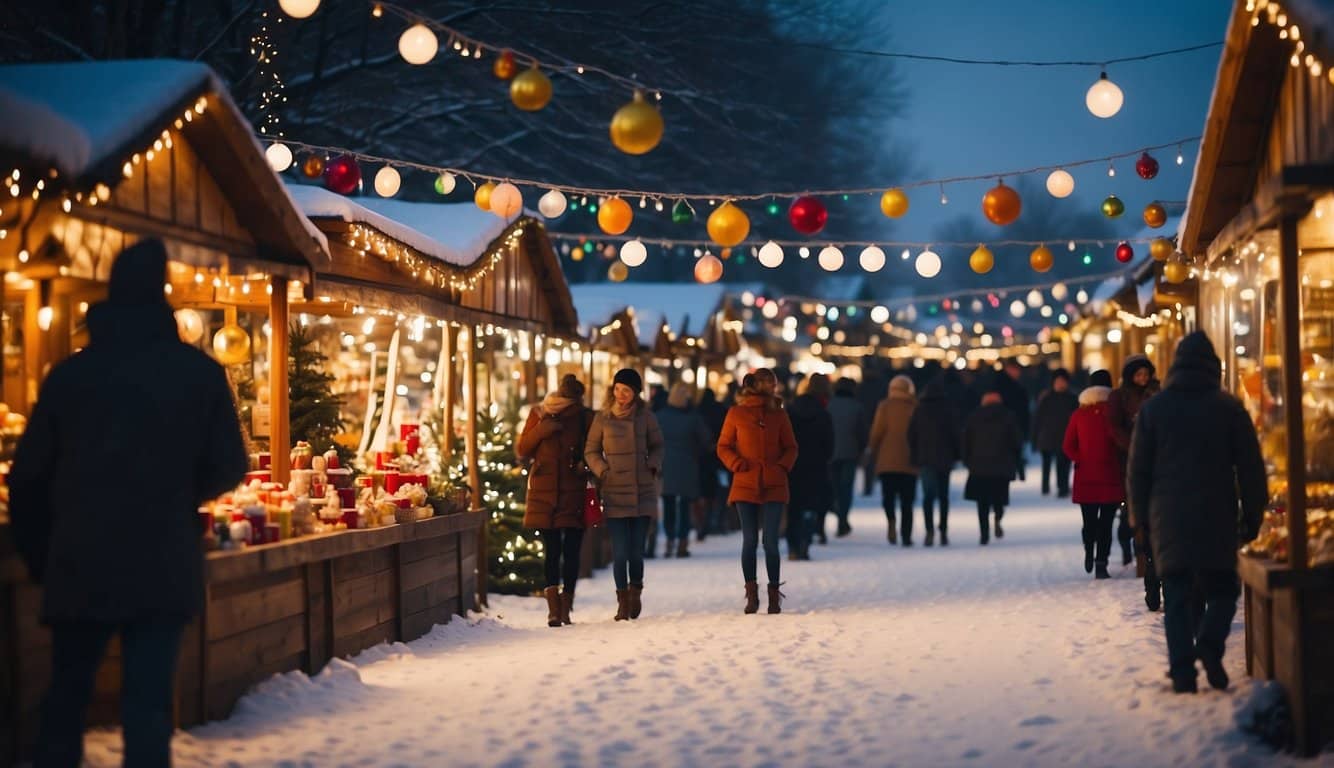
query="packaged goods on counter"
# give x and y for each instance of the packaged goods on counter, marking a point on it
(1272, 541)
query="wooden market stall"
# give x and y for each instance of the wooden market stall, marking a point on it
(1260, 228)
(1138, 314)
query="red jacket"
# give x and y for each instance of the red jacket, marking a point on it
(1091, 445)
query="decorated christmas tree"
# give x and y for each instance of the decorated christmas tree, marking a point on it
(315, 411)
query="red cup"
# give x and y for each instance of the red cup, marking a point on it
(403, 503)
(383, 459)
(265, 460)
(347, 497)
(392, 481)
(365, 481)
(410, 434)
(317, 490)
(262, 475)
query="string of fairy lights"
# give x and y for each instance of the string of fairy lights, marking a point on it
(271, 97)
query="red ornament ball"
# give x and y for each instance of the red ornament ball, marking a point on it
(342, 174)
(1146, 166)
(807, 215)
(1124, 253)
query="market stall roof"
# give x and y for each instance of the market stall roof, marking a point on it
(685, 308)
(84, 119)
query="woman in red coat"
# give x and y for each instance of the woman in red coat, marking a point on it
(1100, 482)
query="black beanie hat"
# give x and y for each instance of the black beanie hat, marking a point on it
(1100, 378)
(630, 378)
(1060, 373)
(139, 273)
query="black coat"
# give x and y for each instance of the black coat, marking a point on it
(934, 432)
(1015, 397)
(1193, 450)
(127, 439)
(811, 487)
(1051, 418)
(992, 442)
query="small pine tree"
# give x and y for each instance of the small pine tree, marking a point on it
(314, 410)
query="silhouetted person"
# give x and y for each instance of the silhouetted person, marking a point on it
(852, 430)
(1055, 407)
(811, 488)
(1014, 395)
(128, 438)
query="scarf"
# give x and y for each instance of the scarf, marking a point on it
(626, 412)
(555, 402)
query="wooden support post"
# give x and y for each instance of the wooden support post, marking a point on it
(450, 377)
(280, 439)
(1290, 287)
(474, 470)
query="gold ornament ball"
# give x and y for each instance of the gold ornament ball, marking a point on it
(313, 166)
(1155, 215)
(483, 195)
(728, 225)
(614, 216)
(1161, 249)
(617, 272)
(1176, 271)
(1041, 259)
(530, 90)
(231, 345)
(982, 260)
(894, 203)
(1113, 207)
(1001, 204)
(636, 128)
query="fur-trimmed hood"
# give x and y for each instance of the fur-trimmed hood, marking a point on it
(1094, 395)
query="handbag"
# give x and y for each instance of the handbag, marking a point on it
(593, 516)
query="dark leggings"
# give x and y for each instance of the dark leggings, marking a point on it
(750, 537)
(561, 547)
(1098, 519)
(676, 517)
(627, 549)
(900, 486)
(984, 517)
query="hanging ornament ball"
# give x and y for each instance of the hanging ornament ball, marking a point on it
(387, 182)
(418, 44)
(231, 345)
(1113, 207)
(636, 128)
(1161, 249)
(1060, 183)
(894, 203)
(981, 260)
(189, 325)
(279, 157)
(342, 174)
(872, 259)
(771, 254)
(1146, 166)
(552, 204)
(506, 200)
(530, 90)
(299, 9)
(617, 272)
(708, 269)
(445, 183)
(1155, 215)
(1104, 98)
(1124, 252)
(830, 258)
(1175, 271)
(728, 225)
(483, 195)
(614, 216)
(1041, 259)
(1001, 204)
(807, 215)
(634, 253)
(681, 213)
(505, 68)
(927, 264)
(312, 167)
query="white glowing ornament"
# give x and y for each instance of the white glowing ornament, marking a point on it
(1017, 308)
(1059, 291)
(506, 200)
(1060, 183)
(279, 157)
(1035, 298)
(928, 264)
(552, 204)
(299, 9)
(387, 182)
(879, 314)
(633, 253)
(418, 44)
(771, 254)
(445, 183)
(1104, 98)
(831, 259)
(872, 259)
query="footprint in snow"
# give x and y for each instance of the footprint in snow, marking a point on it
(972, 754)
(1025, 744)
(1037, 721)
(905, 698)
(1042, 681)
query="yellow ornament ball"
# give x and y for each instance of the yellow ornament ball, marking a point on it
(530, 90)
(1161, 249)
(636, 128)
(483, 195)
(614, 216)
(1176, 271)
(1155, 215)
(982, 260)
(1041, 259)
(617, 272)
(728, 225)
(231, 345)
(894, 203)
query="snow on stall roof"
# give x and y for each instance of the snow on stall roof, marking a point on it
(455, 233)
(684, 307)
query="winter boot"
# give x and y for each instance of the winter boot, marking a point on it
(775, 599)
(944, 538)
(1101, 570)
(752, 597)
(843, 528)
(566, 605)
(1184, 685)
(670, 549)
(683, 547)
(1213, 670)
(1088, 557)
(635, 603)
(622, 604)
(553, 606)
(930, 538)
(893, 534)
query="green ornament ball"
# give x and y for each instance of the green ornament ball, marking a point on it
(681, 213)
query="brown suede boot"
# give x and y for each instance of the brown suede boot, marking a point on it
(622, 604)
(752, 597)
(775, 599)
(553, 606)
(566, 605)
(683, 547)
(636, 601)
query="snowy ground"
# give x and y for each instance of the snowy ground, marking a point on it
(997, 656)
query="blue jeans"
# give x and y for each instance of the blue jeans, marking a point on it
(148, 659)
(1197, 616)
(752, 516)
(627, 549)
(676, 517)
(845, 476)
(935, 487)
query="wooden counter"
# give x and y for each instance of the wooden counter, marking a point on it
(269, 609)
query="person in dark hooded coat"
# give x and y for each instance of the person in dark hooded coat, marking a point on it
(992, 444)
(128, 437)
(934, 433)
(1055, 407)
(812, 487)
(1138, 384)
(1197, 480)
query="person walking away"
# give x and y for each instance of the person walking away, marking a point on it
(933, 447)
(1014, 394)
(869, 394)
(1100, 480)
(1196, 476)
(812, 488)
(852, 431)
(758, 447)
(888, 446)
(711, 470)
(685, 439)
(1138, 384)
(113, 561)
(553, 438)
(992, 442)
(624, 452)
(1050, 419)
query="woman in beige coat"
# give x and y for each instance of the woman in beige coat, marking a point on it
(624, 452)
(889, 450)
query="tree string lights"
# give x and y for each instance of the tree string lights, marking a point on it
(271, 95)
